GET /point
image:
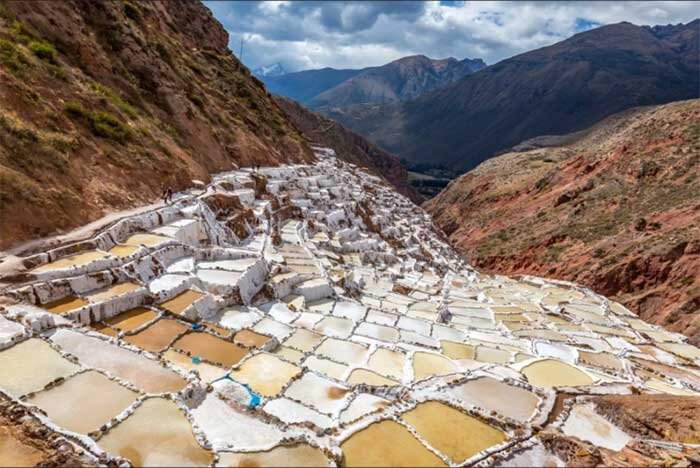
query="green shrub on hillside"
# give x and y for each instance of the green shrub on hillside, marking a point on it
(115, 99)
(43, 50)
(107, 125)
(101, 123)
(11, 57)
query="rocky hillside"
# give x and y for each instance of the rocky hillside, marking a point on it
(553, 90)
(349, 146)
(400, 80)
(104, 103)
(616, 207)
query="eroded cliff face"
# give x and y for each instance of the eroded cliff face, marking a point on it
(615, 207)
(104, 103)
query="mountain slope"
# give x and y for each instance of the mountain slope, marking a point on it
(349, 146)
(400, 80)
(305, 85)
(616, 207)
(104, 103)
(554, 90)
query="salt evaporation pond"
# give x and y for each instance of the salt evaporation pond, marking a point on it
(335, 328)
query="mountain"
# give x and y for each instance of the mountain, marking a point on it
(615, 207)
(348, 146)
(104, 103)
(276, 69)
(553, 90)
(305, 85)
(401, 80)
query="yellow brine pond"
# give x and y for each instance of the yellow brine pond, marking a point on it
(156, 434)
(553, 373)
(386, 443)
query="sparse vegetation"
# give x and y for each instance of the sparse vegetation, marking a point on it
(43, 50)
(107, 125)
(11, 57)
(109, 94)
(132, 12)
(542, 184)
(30, 149)
(101, 123)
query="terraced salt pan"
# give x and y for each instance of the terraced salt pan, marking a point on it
(584, 423)
(457, 350)
(319, 393)
(30, 365)
(326, 367)
(157, 336)
(342, 351)
(384, 339)
(157, 434)
(429, 365)
(219, 277)
(335, 326)
(147, 240)
(452, 432)
(681, 349)
(207, 372)
(131, 319)
(182, 301)
(494, 395)
(9, 332)
(167, 282)
(72, 261)
(368, 377)
(303, 340)
(274, 328)
(80, 391)
(290, 354)
(123, 250)
(388, 363)
(350, 310)
(250, 339)
(211, 348)
(492, 355)
(112, 291)
(236, 318)
(265, 373)
(142, 372)
(290, 411)
(386, 443)
(229, 429)
(65, 305)
(553, 373)
(302, 455)
(363, 404)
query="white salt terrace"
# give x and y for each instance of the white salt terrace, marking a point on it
(334, 328)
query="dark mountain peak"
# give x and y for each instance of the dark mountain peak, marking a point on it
(401, 80)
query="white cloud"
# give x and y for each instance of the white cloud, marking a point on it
(304, 35)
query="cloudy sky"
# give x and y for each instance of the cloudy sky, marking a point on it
(302, 35)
